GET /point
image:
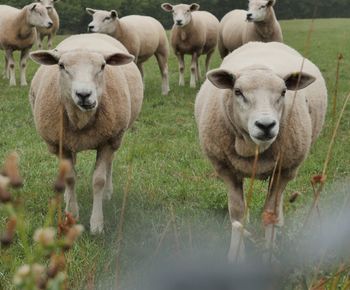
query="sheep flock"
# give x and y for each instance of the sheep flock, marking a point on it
(265, 99)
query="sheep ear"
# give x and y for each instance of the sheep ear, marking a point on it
(167, 7)
(194, 7)
(271, 2)
(45, 57)
(119, 58)
(33, 7)
(114, 14)
(298, 81)
(90, 11)
(222, 79)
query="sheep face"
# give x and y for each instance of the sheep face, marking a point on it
(81, 74)
(259, 10)
(257, 100)
(182, 13)
(38, 16)
(49, 4)
(103, 21)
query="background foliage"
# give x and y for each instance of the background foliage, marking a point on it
(74, 19)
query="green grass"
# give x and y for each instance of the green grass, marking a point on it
(168, 168)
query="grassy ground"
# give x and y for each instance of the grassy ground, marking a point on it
(167, 168)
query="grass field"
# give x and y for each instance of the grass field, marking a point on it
(162, 156)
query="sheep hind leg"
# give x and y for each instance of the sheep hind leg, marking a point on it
(194, 71)
(23, 66)
(6, 69)
(11, 67)
(49, 41)
(100, 183)
(162, 60)
(207, 60)
(39, 40)
(69, 194)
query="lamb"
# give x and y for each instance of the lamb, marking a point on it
(195, 33)
(143, 36)
(258, 24)
(48, 32)
(92, 79)
(250, 103)
(17, 32)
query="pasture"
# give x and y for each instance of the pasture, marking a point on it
(161, 165)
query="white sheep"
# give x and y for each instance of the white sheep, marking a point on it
(250, 102)
(195, 33)
(48, 32)
(93, 79)
(17, 32)
(143, 36)
(259, 23)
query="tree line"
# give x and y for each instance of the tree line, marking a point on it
(74, 19)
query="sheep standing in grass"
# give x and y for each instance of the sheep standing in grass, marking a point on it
(259, 23)
(17, 32)
(49, 32)
(250, 103)
(143, 36)
(195, 33)
(93, 79)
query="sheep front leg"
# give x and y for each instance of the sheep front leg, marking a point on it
(207, 60)
(49, 41)
(100, 182)
(181, 60)
(273, 210)
(69, 195)
(194, 70)
(236, 206)
(39, 40)
(6, 69)
(11, 67)
(23, 65)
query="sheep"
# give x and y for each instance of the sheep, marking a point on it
(17, 32)
(49, 32)
(143, 36)
(259, 23)
(250, 103)
(195, 33)
(93, 81)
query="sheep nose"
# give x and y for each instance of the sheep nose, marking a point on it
(266, 127)
(249, 16)
(179, 22)
(83, 96)
(90, 28)
(50, 24)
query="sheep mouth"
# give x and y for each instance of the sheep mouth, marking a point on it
(87, 107)
(265, 137)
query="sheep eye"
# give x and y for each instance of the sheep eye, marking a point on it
(284, 93)
(238, 92)
(61, 65)
(103, 66)
(107, 18)
(262, 7)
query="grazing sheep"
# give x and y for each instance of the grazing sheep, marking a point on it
(49, 32)
(17, 32)
(259, 23)
(250, 102)
(195, 33)
(93, 79)
(143, 36)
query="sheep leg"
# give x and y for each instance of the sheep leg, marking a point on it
(199, 73)
(49, 41)
(181, 60)
(23, 66)
(108, 191)
(194, 71)
(69, 194)
(11, 66)
(103, 162)
(40, 39)
(163, 66)
(236, 206)
(273, 209)
(6, 69)
(207, 60)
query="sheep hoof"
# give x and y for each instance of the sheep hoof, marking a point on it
(96, 228)
(73, 209)
(24, 84)
(107, 195)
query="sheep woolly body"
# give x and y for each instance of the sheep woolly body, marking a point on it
(235, 30)
(143, 37)
(49, 32)
(231, 151)
(101, 129)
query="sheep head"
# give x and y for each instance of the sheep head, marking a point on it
(102, 21)
(182, 13)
